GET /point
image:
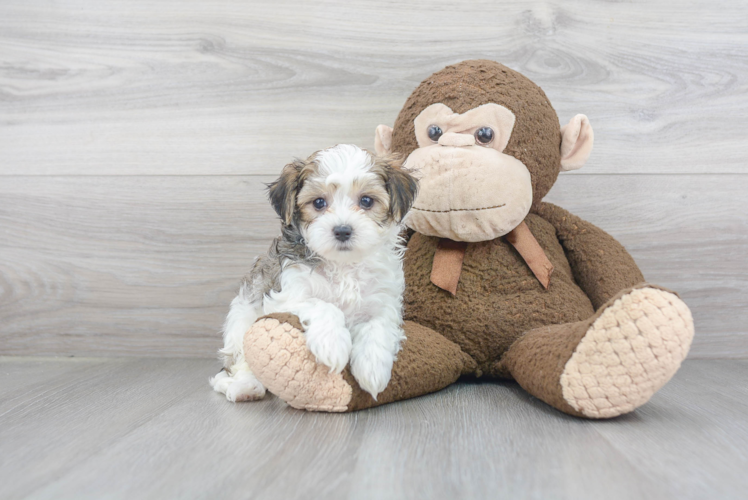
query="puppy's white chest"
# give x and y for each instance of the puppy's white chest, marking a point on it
(346, 288)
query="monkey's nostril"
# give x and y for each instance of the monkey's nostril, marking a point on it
(342, 233)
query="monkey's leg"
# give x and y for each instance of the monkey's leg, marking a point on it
(276, 352)
(611, 363)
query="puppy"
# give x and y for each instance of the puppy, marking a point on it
(337, 265)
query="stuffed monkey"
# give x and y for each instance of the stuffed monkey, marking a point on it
(499, 284)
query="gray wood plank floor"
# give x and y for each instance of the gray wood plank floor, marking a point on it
(148, 428)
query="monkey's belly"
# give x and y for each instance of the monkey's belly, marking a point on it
(498, 298)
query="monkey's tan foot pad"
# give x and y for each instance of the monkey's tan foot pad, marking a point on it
(630, 351)
(277, 355)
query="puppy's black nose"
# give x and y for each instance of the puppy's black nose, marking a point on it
(342, 233)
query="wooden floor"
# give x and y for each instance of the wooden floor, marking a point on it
(146, 428)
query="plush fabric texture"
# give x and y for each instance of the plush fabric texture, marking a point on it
(537, 360)
(383, 139)
(498, 297)
(468, 193)
(428, 362)
(576, 143)
(632, 349)
(601, 367)
(601, 266)
(612, 362)
(276, 352)
(536, 137)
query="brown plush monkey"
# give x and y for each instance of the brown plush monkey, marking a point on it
(498, 283)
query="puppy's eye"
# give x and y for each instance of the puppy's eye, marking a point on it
(319, 203)
(434, 132)
(484, 135)
(365, 202)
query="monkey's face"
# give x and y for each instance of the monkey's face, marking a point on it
(470, 190)
(488, 148)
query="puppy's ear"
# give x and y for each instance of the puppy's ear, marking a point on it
(282, 192)
(401, 186)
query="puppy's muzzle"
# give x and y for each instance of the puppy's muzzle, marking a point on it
(342, 233)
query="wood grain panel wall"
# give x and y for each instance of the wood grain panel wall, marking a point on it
(135, 138)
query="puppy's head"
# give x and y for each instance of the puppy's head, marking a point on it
(343, 201)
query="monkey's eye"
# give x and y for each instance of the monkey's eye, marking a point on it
(484, 135)
(365, 202)
(319, 203)
(434, 133)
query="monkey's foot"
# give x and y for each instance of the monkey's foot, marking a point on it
(275, 349)
(610, 364)
(631, 351)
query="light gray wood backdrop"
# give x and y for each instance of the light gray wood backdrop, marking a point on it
(135, 138)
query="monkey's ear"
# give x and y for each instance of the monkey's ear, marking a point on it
(282, 192)
(402, 188)
(576, 143)
(383, 140)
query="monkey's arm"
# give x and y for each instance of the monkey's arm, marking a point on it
(601, 266)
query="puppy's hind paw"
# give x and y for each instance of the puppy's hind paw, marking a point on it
(243, 386)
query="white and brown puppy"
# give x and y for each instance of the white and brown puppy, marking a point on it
(337, 265)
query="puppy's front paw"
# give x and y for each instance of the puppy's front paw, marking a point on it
(330, 344)
(372, 368)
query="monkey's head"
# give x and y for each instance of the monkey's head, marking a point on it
(486, 144)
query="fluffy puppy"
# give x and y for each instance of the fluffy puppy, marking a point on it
(337, 265)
